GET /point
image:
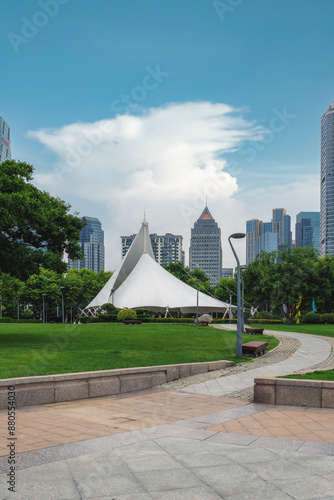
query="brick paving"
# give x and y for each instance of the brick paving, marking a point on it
(56, 424)
(317, 426)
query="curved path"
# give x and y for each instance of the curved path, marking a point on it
(311, 352)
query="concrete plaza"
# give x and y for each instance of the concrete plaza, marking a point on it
(198, 441)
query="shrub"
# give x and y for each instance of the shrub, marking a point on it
(27, 314)
(125, 314)
(326, 318)
(265, 315)
(109, 309)
(310, 317)
(107, 318)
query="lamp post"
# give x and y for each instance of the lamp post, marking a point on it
(43, 295)
(238, 236)
(62, 304)
(196, 281)
(242, 268)
(230, 307)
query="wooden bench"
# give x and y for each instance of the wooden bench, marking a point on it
(253, 331)
(132, 322)
(255, 348)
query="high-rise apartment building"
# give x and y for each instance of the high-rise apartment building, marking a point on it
(327, 183)
(166, 248)
(308, 229)
(5, 152)
(205, 252)
(92, 245)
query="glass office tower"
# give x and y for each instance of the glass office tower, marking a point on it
(327, 183)
(205, 250)
(308, 229)
(5, 152)
(92, 245)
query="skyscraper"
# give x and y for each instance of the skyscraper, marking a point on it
(281, 224)
(308, 229)
(92, 245)
(254, 229)
(205, 250)
(166, 248)
(267, 242)
(5, 153)
(327, 183)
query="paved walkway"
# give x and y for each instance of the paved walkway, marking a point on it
(312, 351)
(176, 444)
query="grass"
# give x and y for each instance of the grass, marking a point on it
(317, 375)
(31, 349)
(324, 330)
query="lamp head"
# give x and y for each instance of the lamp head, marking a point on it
(237, 236)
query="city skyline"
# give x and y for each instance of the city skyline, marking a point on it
(188, 104)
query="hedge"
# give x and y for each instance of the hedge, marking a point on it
(11, 320)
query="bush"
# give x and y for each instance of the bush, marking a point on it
(326, 318)
(108, 309)
(5, 320)
(266, 315)
(125, 314)
(106, 318)
(27, 314)
(144, 313)
(310, 318)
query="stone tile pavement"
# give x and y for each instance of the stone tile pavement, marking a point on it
(175, 444)
(312, 351)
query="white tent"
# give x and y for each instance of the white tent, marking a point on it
(140, 282)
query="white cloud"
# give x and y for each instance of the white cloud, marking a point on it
(165, 161)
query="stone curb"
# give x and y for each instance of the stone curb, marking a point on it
(294, 392)
(48, 389)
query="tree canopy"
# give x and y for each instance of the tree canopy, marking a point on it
(35, 228)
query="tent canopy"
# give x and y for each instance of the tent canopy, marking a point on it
(140, 282)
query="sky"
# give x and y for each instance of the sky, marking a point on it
(126, 107)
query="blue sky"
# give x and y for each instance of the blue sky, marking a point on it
(260, 58)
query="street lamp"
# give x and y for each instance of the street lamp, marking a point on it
(230, 306)
(43, 295)
(238, 236)
(62, 304)
(242, 268)
(196, 281)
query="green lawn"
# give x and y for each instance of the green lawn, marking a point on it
(33, 349)
(317, 375)
(324, 330)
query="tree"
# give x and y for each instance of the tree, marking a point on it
(223, 288)
(10, 291)
(35, 228)
(178, 270)
(275, 279)
(47, 282)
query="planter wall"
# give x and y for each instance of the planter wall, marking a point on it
(72, 386)
(294, 392)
